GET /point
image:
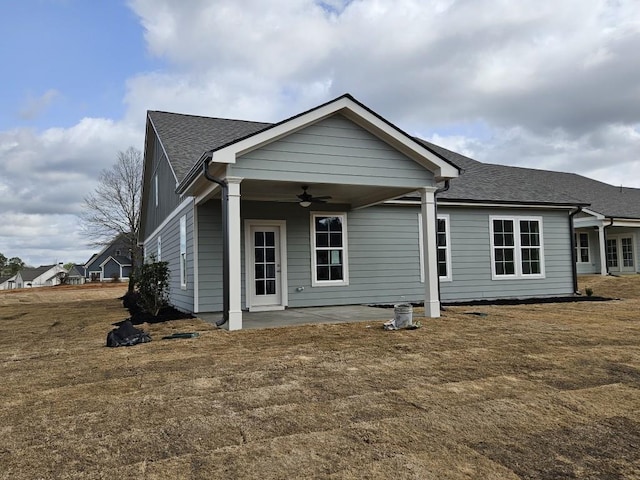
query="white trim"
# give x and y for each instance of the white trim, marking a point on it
(345, 247)
(248, 267)
(177, 211)
(446, 218)
(235, 252)
(111, 257)
(588, 211)
(155, 188)
(444, 203)
(517, 254)
(196, 259)
(182, 263)
(356, 113)
(159, 248)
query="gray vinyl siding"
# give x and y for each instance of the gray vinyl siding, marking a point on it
(471, 256)
(383, 256)
(111, 268)
(168, 200)
(334, 150)
(179, 297)
(383, 253)
(209, 242)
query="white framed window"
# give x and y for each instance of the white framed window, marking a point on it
(516, 247)
(183, 251)
(443, 242)
(329, 256)
(159, 245)
(582, 247)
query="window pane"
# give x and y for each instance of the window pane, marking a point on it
(259, 272)
(322, 224)
(322, 257)
(271, 287)
(259, 238)
(336, 273)
(323, 272)
(269, 239)
(442, 239)
(336, 257)
(259, 287)
(322, 239)
(270, 254)
(259, 254)
(336, 240)
(270, 270)
(442, 269)
(510, 268)
(442, 225)
(335, 224)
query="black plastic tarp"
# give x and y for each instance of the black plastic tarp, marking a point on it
(126, 335)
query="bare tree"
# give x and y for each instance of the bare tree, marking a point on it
(114, 208)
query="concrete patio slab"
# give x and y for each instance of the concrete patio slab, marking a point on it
(307, 315)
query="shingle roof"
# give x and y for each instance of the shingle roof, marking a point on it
(29, 274)
(500, 183)
(186, 137)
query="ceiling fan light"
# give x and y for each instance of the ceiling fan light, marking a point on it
(305, 203)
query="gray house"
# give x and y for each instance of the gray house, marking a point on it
(112, 262)
(337, 206)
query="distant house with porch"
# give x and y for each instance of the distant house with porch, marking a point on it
(42, 276)
(113, 262)
(8, 283)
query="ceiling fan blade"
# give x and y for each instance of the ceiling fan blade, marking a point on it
(325, 197)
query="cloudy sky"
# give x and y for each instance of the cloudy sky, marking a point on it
(553, 85)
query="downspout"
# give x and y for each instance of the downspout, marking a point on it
(606, 260)
(435, 207)
(574, 258)
(225, 240)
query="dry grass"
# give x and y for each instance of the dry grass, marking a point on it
(535, 391)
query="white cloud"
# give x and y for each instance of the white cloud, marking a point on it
(543, 84)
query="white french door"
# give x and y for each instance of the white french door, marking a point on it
(265, 270)
(621, 256)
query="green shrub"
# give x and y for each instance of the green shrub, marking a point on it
(588, 291)
(152, 282)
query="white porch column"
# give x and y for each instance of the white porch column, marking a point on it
(603, 250)
(430, 253)
(233, 216)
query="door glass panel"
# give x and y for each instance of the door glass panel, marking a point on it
(627, 252)
(265, 263)
(612, 253)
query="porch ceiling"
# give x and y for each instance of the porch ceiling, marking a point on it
(353, 195)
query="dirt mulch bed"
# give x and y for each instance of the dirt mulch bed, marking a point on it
(535, 391)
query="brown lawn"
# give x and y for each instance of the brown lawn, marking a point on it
(542, 391)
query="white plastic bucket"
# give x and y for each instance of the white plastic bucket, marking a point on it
(403, 315)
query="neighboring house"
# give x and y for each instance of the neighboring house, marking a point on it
(76, 275)
(371, 242)
(43, 276)
(112, 262)
(8, 283)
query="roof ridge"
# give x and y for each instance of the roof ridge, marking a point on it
(207, 117)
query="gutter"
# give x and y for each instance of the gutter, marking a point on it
(574, 259)
(225, 239)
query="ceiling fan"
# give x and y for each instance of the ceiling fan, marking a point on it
(307, 199)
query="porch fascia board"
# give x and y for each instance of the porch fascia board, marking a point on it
(356, 113)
